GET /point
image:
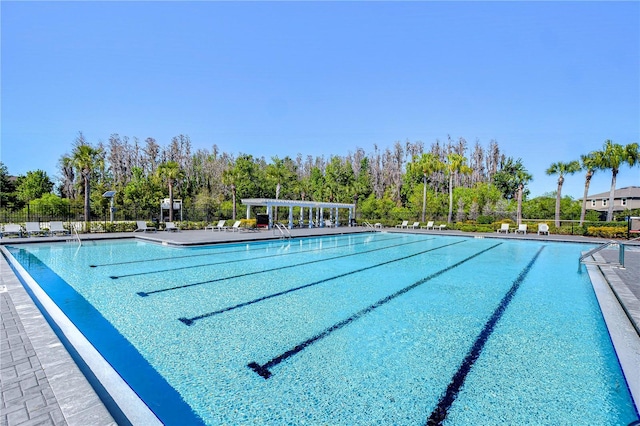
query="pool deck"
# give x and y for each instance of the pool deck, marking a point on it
(42, 385)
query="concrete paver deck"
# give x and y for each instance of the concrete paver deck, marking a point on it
(42, 385)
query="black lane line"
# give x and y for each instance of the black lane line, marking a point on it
(190, 321)
(439, 414)
(158, 259)
(246, 274)
(263, 370)
(202, 265)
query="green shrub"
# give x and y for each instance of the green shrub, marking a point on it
(607, 231)
(485, 220)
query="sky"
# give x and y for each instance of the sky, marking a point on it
(547, 80)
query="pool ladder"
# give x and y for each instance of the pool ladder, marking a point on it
(74, 230)
(369, 226)
(284, 231)
(612, 243)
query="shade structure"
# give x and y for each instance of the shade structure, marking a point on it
(315, 210)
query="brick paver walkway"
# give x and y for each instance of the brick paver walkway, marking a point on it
(27, 397)
(39, 381)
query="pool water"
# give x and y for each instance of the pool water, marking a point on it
(365, 329)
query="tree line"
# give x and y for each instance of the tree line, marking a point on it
(451, 179)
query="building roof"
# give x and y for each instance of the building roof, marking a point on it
(626, 192)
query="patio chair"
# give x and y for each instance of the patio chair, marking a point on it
(328, 223)
(504, 228)
(522, 229)
(142, 226)
(429, 225)
(33, 228)
(219, 227)
(56, 228)
(543, 229)
(415, 225)
(236, 226)
(12, 229)
(171, 227)
(404, 224)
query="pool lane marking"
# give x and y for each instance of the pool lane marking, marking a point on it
(263, 369)
(158, 259)
(190, 321)
(439, 414)
(158, 271)
(262, 271)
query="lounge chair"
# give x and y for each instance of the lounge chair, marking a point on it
(522, 229)
(429, 225)
(171, 227)
(236, 226)
(219, 227)
(142, 226)
(404, 224)
(33, 228)
(415, 225)
(543, 229)
(12, 229)
(57, 228)
(504, 228)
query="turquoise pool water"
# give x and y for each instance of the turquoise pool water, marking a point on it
(379, 328)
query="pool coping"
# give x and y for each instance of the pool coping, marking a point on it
(610, 307)
(622, 331)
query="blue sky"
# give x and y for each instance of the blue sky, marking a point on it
(547, 80)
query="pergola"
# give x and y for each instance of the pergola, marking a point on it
(315, 209)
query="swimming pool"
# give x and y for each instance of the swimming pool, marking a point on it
(361, 329)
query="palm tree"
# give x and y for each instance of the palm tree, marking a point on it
(611, 157)
(85, 158)
(455, 164)
(561, 169)
(428, 164)
(170, 173)
(511, 179)
(588, 163)
(231, 176)
(278, 172)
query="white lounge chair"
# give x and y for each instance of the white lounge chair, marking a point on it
(12, 229)
(543, 229)
(236, 226)
(219, 227)
(522, 229)
(171, 227)
(504, 228)
(429, 225)
(33, 228)
(57, 228)
(404, 224)
(415, 225)
(329, 224)
(142, 226)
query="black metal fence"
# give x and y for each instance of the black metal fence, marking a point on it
(130, 213)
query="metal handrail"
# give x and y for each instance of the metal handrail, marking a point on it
(283, 230)
(596, 249)
(75, 228)
(369, 226)
(621, 247)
